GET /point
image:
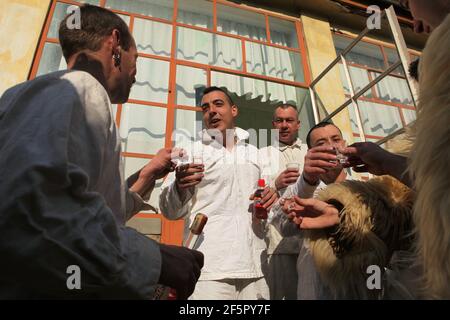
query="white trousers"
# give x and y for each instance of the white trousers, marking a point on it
(231, 289)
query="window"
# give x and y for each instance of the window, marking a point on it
(152, 81)
(388, 105)
(273, 62)
(209, 48)
(240, 22)
(197, 13)
(152, 37)
(256, 54)
(142, 128)
(153, 8)
(283, 33)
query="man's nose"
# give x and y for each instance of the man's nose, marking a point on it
(212, 109)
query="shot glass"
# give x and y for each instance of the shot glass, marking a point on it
(341, 158)
(197, 159)
(293, 166)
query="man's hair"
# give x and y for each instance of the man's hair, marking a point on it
(96, 24)
(214, 88)
(319, 125)
(285, 106)
(413, 69)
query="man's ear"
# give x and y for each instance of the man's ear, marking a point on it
(116, 48)
(115, 41)
(234, 110)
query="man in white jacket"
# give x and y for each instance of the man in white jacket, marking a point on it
(232, 240)
(64, 199)
(281, 158)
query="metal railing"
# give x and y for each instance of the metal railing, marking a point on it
(404, 61)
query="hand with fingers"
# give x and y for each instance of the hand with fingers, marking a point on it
(269, 197)
(319, 160)
(370, 157)
(180, 269)
(311, 213)
(286, 178)
(158, 167)
(189, 175)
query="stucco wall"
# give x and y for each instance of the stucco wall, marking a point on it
(21, 23)
(321, 53)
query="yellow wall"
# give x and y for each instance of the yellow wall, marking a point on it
(21, 23)
(321, 53)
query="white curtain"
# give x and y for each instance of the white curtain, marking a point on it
(241, 22)
(153, 8)
(207, 48)
(409, 115)
(377, 119)
(142, 128)
(190, 81)
(152, 80)
(393, 89)
(188, 124)
(153, 37)
(273, 62)
(359, 78)
(283, 32)
(195, 12)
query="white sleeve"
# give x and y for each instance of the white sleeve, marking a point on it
(302, 188)
(281, 222)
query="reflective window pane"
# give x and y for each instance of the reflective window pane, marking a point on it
(190, 84)
(142, 128)
(393, 89)
(207, 48)
(283, 32)
(362, 53)
(188, 124)
(52, 59)
(153, 8)
(196, 12)
(152, 80)
(391, 55)
(359, 78)
(273, 62)
(377, 119)
(409, 115)
(152, 37)
(241, 22)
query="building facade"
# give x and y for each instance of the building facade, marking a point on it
(264, 54)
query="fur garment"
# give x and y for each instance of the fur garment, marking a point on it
(376, 219)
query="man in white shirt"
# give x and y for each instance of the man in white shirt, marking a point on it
(281, 159)
(64, 199)
(321, 168)
(232, 240)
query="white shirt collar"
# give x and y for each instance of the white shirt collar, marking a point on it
(297, 144)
